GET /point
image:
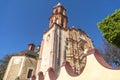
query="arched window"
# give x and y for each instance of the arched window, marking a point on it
(57, 21)
(59, 10)
(62, 23)
(64, 12)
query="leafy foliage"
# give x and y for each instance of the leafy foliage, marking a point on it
(110, 27)
(3, 65)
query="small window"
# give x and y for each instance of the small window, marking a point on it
(57, 21)
(64, 12)
(29, 75)
(56, 11)
(81, 35)
(48, 37)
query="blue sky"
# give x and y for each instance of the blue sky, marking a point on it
(24, 21)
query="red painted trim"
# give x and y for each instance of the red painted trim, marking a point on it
(33, 77)
(40, 76)
(69, 69)
(100, 59)
(52, 74)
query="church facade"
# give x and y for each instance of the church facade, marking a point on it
(66, 53)
(60, 43)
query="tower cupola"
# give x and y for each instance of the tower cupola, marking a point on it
(59, 16)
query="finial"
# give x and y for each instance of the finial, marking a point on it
(59, 4)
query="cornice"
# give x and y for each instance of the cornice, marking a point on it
(57, 26)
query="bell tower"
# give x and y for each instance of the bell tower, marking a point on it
(58, 16)
(53, 43)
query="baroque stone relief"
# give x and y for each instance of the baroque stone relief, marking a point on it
(75, 51)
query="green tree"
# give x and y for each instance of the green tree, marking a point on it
(3, 65)
(110, 28)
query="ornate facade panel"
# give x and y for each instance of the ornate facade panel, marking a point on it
(76, 45)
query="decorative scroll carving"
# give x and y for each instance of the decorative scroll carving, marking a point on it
(75, 51)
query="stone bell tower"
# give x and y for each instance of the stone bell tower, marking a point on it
(59, 16)
(53, 43)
